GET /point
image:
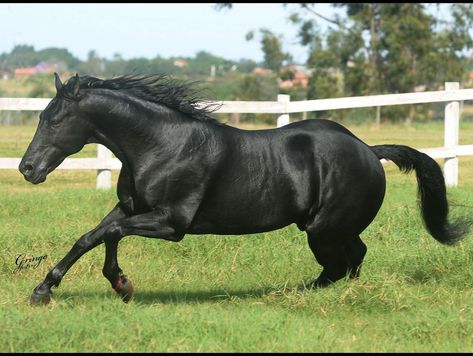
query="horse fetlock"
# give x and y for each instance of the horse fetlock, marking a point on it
(54, 277)
(113, 274)
(109, 274)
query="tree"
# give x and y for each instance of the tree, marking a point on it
(390, 47)
(59, 56)
(384, 48)
(271, 45)
(20, 56)
(94, 64)
(223, 5)
(202, 62)
(259, 88)
(27, 56)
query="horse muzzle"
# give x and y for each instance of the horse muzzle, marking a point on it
(31, 173)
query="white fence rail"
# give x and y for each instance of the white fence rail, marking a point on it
(104, 162)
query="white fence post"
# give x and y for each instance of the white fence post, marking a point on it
(104, 176)
(284, 118)
(452, 123)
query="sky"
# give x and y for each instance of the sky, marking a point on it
(148, 30)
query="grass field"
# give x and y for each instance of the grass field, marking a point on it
(234, 293)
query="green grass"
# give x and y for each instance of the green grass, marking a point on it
(235, 293)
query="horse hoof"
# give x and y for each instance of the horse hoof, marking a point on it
(124, 288)
(40, 298)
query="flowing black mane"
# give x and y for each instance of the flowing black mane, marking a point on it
(182, 96)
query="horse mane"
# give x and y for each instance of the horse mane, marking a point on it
(182, 96)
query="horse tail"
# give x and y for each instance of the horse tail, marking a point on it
(431, 190)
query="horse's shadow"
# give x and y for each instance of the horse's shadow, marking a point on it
(150, 297)
(198, 296)
(217, 295)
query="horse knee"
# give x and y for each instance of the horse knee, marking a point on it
(114, 230)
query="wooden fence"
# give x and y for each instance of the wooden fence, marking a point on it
(452, 95)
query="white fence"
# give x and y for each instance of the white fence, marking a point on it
(104, 162)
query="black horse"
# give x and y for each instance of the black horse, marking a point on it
(183, 172)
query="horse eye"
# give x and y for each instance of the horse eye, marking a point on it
(55, 123)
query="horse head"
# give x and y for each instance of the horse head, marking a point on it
(62, 130)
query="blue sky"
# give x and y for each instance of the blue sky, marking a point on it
(148, 30)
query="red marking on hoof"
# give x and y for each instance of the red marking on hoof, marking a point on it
(124, 288)
(119, 283)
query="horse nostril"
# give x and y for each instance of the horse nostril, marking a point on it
(26, 169)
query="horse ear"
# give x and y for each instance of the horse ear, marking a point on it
(76, 85)
(57, 82)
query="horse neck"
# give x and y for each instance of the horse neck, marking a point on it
(127, 126)
(123, 124)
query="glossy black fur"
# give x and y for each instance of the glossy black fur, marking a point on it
(185, 173)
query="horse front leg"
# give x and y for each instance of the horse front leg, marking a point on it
(148, 225)
(42, 293)
(114, 227)
(120, 283)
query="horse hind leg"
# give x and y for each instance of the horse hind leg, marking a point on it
(339, 257)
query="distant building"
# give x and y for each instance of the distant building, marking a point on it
(41, 67)
(261, 71)
(180, 63)
(25, 72)
(300, 77)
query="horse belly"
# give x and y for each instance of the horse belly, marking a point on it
(247, 205)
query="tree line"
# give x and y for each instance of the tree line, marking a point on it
(376, 48)
(195, 67)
